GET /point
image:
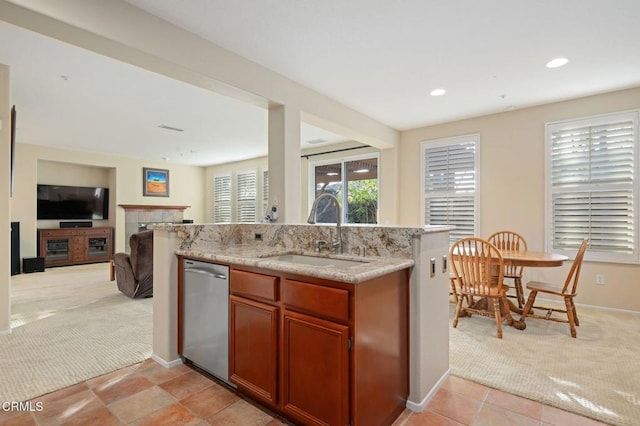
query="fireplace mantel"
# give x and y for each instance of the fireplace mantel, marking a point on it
(147, 207)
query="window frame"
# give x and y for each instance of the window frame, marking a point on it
(578, 123)
(450, 141)
(342, 160)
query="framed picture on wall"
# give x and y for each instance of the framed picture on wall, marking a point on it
(155, 182)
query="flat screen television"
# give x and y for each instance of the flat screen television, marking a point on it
(72, 202)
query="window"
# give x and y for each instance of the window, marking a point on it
(222, 199)
(592, 187)
(265, 192)
(450, 183)
(359, 175)
(246, 196)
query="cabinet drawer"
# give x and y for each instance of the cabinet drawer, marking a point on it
(94, 231)
(58, 232)
(254, 285)
(326, 301)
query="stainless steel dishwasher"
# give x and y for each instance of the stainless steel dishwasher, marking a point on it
(205, 333)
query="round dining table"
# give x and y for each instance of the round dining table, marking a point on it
(532, 258)
(529, 258)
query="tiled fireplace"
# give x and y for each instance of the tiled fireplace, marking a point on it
(138, 217)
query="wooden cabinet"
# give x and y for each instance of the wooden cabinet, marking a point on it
(253, 341)
(318, 351)
(73, 246)
(253, 334)
(315, 370)
(315, 353)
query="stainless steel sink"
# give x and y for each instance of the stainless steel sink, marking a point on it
(301, 259)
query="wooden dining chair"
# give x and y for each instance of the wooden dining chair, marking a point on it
(454, 293)
(478, 270)
(567, 292)
(510, 240)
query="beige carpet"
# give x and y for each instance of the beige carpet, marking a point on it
(69, 324)
(596, 375)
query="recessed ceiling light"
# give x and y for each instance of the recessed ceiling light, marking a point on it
(557, 62)
(438, 92)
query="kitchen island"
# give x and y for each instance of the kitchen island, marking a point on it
(387, 248)
(319, 338)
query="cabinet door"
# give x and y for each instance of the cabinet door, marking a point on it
(253, 343)
(315, 370)
(97, 248)
(54, 250)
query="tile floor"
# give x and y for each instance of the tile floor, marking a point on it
(149, 394)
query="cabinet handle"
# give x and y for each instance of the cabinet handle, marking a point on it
(433, 267)
(445, 266)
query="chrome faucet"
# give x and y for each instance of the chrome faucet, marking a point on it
(337, 245)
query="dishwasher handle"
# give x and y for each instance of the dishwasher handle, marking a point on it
(208, 273)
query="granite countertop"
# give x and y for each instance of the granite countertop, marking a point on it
(366, 268)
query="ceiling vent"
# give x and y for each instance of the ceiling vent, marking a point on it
(175, 129)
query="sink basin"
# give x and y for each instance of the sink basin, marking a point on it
(301, 259)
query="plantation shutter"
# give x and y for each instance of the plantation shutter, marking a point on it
(450, 184)
(265, 190)
(246, 196)
(593, 185)
(222, 199)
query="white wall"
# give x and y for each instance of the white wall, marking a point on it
(512, 185)
(37, 164)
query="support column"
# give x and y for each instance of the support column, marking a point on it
(165, 299)
(284, 163)
(388, 172)
(5, 213)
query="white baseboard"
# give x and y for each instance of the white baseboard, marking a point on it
(605, 308)
(598, 307)
(419, 406)
(5, 332)
(166, 364)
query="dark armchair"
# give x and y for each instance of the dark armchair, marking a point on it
(134, 272)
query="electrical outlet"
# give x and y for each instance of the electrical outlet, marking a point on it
(600, 279)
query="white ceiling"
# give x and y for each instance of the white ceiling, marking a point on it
(68, 97)
(379, 57)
